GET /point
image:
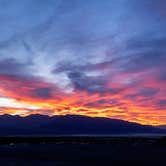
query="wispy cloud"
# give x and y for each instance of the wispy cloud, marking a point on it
(97, 58)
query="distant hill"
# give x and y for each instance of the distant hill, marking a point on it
(162, 127)
(69, 125)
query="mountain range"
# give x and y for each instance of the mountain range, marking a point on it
(162, 127)
(70, 125)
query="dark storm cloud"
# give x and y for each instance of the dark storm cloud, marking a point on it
(90, 84)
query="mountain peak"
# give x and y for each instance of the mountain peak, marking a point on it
(69, 125)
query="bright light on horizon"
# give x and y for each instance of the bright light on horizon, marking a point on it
(8, 102)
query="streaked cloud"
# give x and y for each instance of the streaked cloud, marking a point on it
(96, 58)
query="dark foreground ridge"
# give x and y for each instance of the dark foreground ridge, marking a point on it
(70, 125)
(122, 140)
(82, 151)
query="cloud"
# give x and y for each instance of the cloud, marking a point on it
(103, 58)
(161, 104)
(83, 82)
(146, 53)
(44, 93)
(12, 67)
(28, 88)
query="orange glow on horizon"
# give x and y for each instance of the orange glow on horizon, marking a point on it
(131, 108)
(138, 115)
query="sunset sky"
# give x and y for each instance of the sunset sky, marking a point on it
(103, 58)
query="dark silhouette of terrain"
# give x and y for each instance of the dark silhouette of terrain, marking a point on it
(69, 125)
(82, 151)
(74, 140)
(162, 127)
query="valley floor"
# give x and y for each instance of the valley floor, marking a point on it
(82, 151)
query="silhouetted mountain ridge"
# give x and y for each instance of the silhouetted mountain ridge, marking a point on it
(69, 125)
(162, 127)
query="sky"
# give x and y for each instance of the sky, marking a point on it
(87, 57)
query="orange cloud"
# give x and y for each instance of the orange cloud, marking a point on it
(31, 96)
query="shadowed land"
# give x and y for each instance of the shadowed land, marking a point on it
(41, 125)
(82, 151)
